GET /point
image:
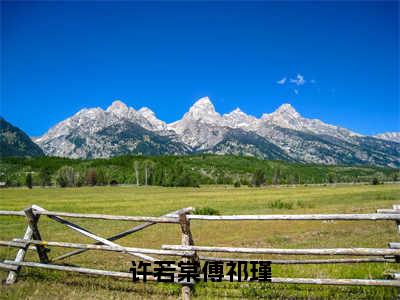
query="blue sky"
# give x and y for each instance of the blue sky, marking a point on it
(58, 57)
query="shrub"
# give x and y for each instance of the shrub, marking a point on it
(236, 184)
(278, 204)
(303, 204)
(375, 181)
(65, 176)
(79, 179)
(206, 211)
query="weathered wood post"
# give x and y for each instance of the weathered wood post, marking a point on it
(187, 240)
(397, 258)
(12, 275)
(32, 223)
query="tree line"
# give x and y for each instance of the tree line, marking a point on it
(175, 171)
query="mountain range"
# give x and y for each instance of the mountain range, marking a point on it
(283, 135)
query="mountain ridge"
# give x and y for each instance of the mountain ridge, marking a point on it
(203, 129)
(15, 142)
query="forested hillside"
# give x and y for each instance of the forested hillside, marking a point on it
(180, 171)
(15, 142)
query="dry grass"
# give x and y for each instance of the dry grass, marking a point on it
(43, 284)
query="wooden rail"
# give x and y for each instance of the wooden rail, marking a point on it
(317, 217)
(332, 251)
(308, 261)
(19, 243)
(32, 240)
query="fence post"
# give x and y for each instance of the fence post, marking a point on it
(397, 258)
(187, 240)
(32, 222)
(12, 275)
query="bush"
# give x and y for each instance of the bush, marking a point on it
(303, 204)
(278, 204)
(375, 181)
(236, 184)
(206, 211)
(65, 176)
(79, 179)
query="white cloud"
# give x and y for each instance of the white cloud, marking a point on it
(296, 91)
(282, 81)
(299, 80)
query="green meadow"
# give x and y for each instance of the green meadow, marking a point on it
(155, 201)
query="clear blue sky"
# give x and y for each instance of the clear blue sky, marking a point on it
(59, 57)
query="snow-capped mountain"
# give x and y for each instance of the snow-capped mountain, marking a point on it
(78, 136)
(200, 127)
(287, 117)
(150, 116)
(201, 111)
(389, 136)
(282, 134)
(239, 119)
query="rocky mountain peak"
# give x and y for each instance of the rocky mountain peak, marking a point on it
(118, 107)
(150, 116)
(238, 119)
(203, 110)
(94, 132)
(203, 104)
(287, 110)
(236, 111)
(145, 111)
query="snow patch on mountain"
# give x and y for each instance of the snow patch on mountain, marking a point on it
(92, 133)
(150, 116)
(389, 136)
(287, 117)
(239, 119)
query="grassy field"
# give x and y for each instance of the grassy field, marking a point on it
(154, 201)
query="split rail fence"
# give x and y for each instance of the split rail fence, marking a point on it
(32, 240)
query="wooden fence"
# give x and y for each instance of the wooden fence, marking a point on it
(32, 240)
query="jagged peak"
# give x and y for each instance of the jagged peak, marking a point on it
(146, 111)
(237, 110)
(150, 116)
(85, 110)
(203, 102)
(204, 110)
(287, 109)
(117, 106)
